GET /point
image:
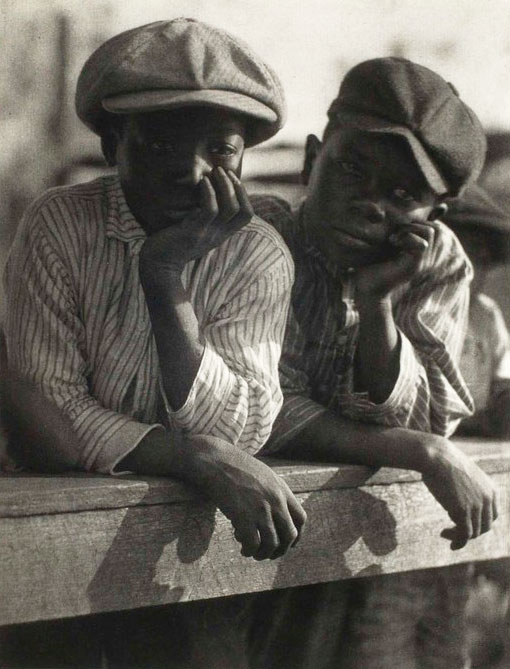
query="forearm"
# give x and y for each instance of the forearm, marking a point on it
(176, 332)
(377, 364)
(332, 438)
(199, 461)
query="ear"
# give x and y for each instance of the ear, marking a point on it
(312, 147)
(438, 211)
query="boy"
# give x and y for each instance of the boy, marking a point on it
(146, 310)
(379, 310)
(484, 232)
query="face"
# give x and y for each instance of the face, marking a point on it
(362, 187)
(162, 157)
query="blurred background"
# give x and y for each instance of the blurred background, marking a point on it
(310, 44)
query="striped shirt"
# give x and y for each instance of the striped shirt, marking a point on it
(78, 326)
(317, 364)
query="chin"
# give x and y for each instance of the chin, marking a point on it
(348, 258)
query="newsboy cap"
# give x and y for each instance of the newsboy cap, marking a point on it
(175, 64)
(397, 96)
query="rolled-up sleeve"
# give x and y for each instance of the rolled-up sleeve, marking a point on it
(430, 394)
(236, 394)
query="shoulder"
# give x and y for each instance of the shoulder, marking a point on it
(261, 244)
(64, 208)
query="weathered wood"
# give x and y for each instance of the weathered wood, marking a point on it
(37, 494)
(76, 545)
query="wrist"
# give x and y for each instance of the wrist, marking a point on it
(368, 303)
(154, 274)
(436, 452)
(202, 459)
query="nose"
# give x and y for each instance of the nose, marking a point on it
(373, 212)
(191, 169)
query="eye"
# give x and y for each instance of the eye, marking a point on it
(349, 169)
(222, 149)
(162, 146)
(403, 195)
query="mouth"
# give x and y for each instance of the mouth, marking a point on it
(179, 213)
(353, 242)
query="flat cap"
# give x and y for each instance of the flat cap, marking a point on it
(397, 96)
(175, 64)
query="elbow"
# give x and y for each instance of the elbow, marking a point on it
(39, 436)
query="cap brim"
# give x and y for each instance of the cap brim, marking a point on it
(367, 123)
(162, 99)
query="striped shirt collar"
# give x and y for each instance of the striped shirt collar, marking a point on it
(120, 222)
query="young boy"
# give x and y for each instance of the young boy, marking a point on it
(484, 232)
(379, 310)
(146, 310)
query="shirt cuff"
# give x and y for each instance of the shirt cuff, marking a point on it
(207, 397)
(400, 402)
(296, 412)
(125, 440)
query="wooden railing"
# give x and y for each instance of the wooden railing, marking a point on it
(79, 544)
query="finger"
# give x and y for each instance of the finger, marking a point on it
(495, 510)
(425, 230)
(408, 241)
(486, 518)
(246, 212)
(287, 532)
(298, 515)
(208, 200)
(269, 540)
(453, 535)
(228, 205)
(476, 522)
(465, 530)
(248, 537)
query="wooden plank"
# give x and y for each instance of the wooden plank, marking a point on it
(68, 564)
(35, 494)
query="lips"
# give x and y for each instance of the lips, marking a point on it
(352, 241)
(178, 212)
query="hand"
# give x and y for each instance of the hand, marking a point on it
(412, 246)
(266, 516)
(465, 491)
(224, 209)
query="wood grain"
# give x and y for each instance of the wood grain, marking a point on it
(77, 545)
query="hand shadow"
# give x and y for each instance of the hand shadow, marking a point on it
(150, 551)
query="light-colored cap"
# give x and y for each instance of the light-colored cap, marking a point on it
(180, 63)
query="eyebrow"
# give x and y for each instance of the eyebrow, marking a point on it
(352, 151)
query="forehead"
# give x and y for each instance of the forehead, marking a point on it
(185, 122)
(387, 151)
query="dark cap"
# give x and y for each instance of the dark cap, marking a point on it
(396, 96)
(175, 64)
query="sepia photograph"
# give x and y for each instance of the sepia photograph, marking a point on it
(255, 334)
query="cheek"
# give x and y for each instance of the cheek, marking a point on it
(234, 163)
